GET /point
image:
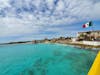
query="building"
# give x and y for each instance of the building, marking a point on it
(74, 39)
(89, 36)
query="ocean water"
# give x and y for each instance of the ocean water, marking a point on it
(44, 59)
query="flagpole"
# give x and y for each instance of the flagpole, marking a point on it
(92, 26)
(92, 29)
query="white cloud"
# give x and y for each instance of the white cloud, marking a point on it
(33, 16)
(16, 27)
(4, 3)
(95, 11)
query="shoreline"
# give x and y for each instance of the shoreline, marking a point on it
(86, 47)
(72, 44)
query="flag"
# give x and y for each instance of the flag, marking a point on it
(88, 24)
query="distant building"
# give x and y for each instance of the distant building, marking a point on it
(89, 36)
(74, 39)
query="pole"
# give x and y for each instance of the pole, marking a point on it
(92, 26)
(92, 30)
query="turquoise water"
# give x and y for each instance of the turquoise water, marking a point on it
(44, 59)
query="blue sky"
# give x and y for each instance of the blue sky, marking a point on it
(36, 19)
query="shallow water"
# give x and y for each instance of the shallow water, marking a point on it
(44, 59)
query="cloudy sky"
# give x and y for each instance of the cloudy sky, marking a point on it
(37, 19)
